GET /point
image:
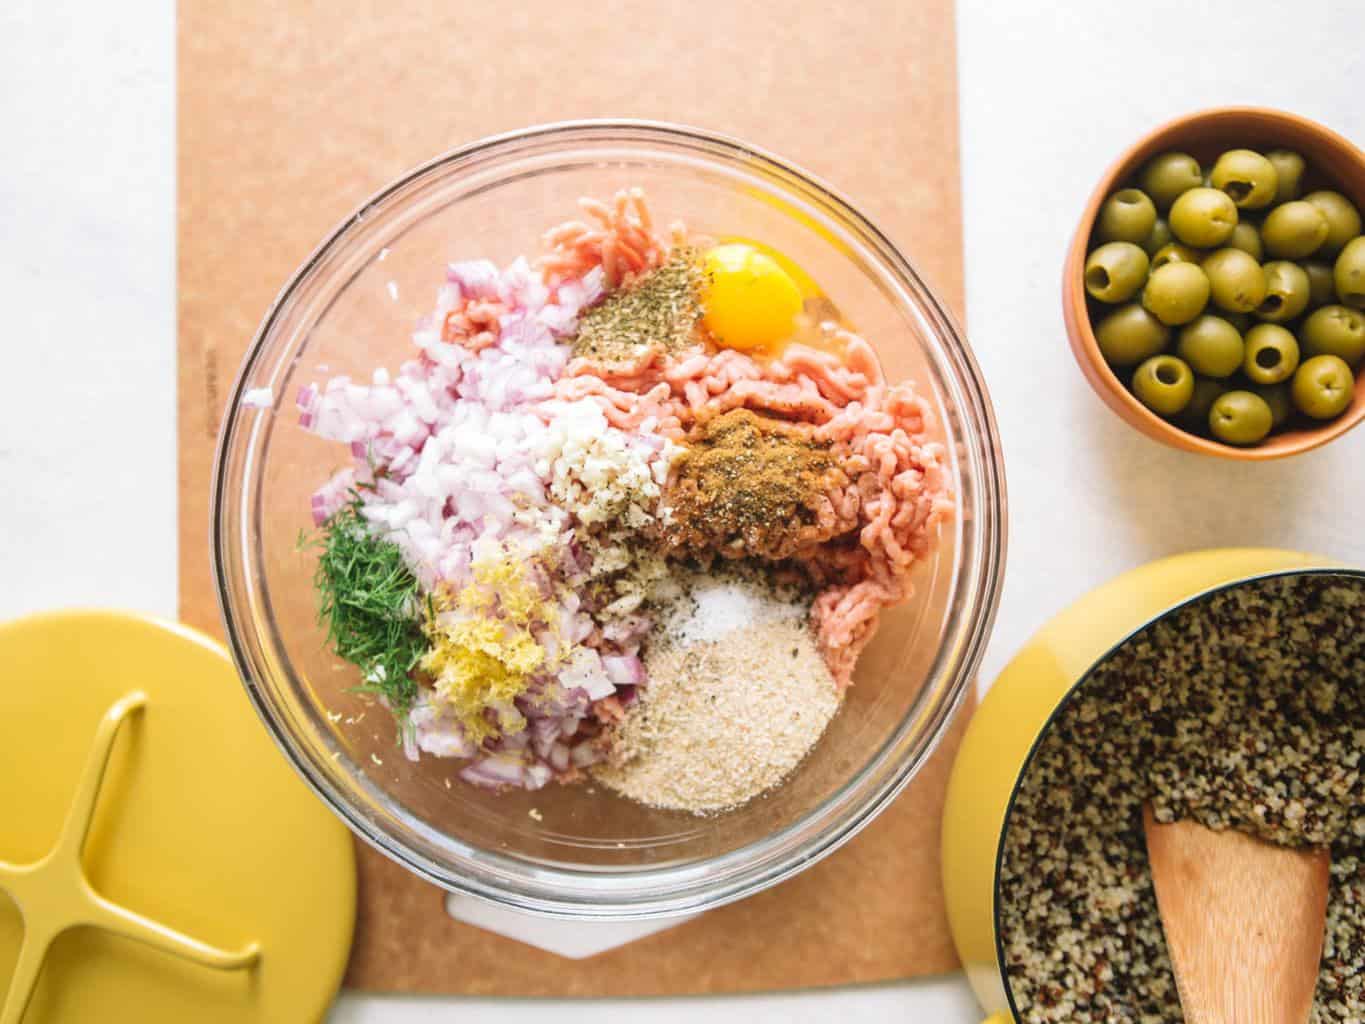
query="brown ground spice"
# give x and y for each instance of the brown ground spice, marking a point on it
(751, 485)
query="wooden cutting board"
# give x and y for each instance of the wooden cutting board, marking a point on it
(292, 111)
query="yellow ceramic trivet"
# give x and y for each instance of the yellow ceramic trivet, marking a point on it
(159, 862)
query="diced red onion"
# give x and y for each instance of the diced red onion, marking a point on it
(583, 755)
(624, 670)
(561, 322)
(494, 771)
(559, 757)
(536, 775)
(258, 398)
(544, 732)
(520, 329)
(331, 496)
(476, 279)
(626, 629)
(400, 461)
(594, 284)
(585, 672)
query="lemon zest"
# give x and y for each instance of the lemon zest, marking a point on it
(483, 652)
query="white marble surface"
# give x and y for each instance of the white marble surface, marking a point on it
(1050, 93)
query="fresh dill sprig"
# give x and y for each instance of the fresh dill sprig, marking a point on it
(371, 605)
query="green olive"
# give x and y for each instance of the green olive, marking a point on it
(1126, 216)
(1236, 280)
(1167, 175)
(1280, 401)
(1176, 252)
(1321, 290)
(1343, 219)
(1195, 415)
(1247, 177)
(1211, 345)
(1130, 334)
(1348, 274)
(1240, 417)
(1294, 230)
(1246, 237)
(1176, 293)
(1272, 354)
(1334, 331)
(1286, 293)
(1159, 238)
(1289, 168)
(1115, 271)
(1323, 387)
(1203, 217)
(1164, 384)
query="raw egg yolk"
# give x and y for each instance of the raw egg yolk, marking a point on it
(751, 302)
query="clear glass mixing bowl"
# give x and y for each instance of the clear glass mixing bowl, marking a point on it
(352, 307)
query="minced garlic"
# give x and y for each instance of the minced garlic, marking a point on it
(624, 572)
(599, 472)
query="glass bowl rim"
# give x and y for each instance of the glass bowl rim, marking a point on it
(570, 893)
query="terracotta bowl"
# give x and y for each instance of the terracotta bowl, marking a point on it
(1333, 163)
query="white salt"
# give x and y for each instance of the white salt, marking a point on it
(710, 608)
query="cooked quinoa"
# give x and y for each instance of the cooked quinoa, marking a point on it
(1245, 709)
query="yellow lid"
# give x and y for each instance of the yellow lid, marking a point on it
(159, 861)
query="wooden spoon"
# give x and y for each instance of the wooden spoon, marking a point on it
(1244, 921)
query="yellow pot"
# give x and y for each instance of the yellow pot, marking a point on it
(1018, 708)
